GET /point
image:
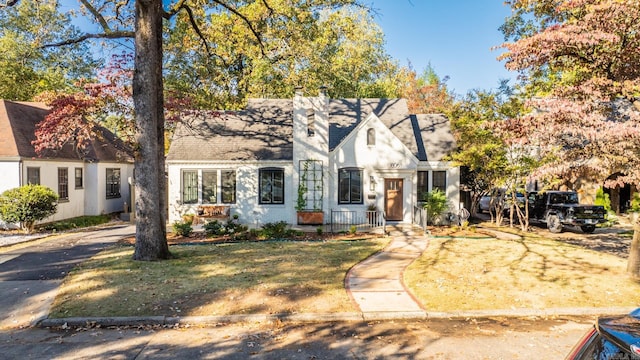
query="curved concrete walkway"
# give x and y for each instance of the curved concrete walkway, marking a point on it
(376, 285)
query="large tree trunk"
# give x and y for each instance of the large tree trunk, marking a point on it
(150, 186)
(633, 266)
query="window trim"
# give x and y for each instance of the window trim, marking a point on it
(272, 171)
(350, 170)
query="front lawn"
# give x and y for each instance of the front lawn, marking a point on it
(533, 273)
(269, 277)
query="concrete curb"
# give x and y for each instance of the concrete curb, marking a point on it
(204, 321)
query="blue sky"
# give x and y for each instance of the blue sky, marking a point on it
(455, 36)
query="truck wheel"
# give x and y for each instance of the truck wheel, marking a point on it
(588, 228)
(553, 224)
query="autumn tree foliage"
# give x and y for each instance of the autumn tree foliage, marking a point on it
(585, 115)
(489, 164)
(580, 63)
(27, 66)
(427, 92)
(339, 47)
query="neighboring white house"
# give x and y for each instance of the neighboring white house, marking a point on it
(91, 183)
(349, 154)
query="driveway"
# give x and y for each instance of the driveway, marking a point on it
(29, 277)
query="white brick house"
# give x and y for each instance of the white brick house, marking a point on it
(350, 154)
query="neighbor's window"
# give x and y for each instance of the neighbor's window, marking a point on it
(63, 183)
(79, 179)
(209, 186)
(113, 183)
(271, 186)
(440, 180)
(350, 186)
(189, 186)
(33, 175)
(371, 137)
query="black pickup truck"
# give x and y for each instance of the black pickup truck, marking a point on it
(562, 208)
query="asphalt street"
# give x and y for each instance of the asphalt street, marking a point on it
(497, 338)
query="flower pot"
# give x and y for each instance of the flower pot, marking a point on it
(310, 217)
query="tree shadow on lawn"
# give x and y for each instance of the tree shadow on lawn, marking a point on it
(537, 272)
(208, 280)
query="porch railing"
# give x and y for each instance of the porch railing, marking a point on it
(420, 217)
(343, 220)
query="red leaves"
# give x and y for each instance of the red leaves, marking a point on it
(66, 124)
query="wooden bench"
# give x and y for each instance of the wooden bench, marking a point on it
(208, 212)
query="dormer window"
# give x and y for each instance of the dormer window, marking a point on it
(371, 137)
(311, 122)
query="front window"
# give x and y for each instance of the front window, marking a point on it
(63, 183)
(209, 187)
(440, 181)
(33, 175)
(350, 186)
(228, 179)
(423, 184)
(78, 178)
(190, 186)
(113, 183)
(271, 186)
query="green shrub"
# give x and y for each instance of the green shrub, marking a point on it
(182, 228)
(232, 227)
(319, 230)
(353, 229)
(27, 204)
(635, 202)
(276, 230)
(435, 203)
(602, 199)
(214, 228)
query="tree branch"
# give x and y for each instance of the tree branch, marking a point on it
(196, 28)
(96, 15)
(112, 35)
(246, 21)
(9, 3)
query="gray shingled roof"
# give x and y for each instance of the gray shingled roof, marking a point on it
(17, 130)
(263, 131)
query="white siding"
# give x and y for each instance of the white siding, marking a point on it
(9, 175)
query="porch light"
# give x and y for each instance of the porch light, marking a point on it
(372, 183)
